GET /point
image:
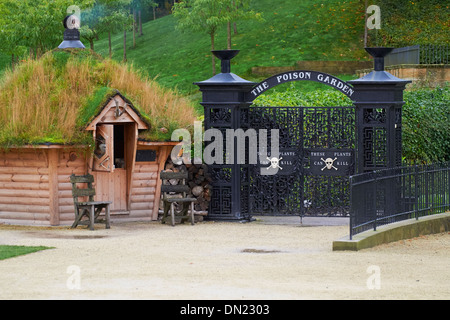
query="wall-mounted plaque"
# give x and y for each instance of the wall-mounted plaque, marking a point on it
(145, 155)
(331, 162)
(286, 164)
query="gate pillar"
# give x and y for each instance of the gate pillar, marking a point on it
(223, 97)
(378, 99)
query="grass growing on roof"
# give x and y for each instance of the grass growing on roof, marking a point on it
(52, 99)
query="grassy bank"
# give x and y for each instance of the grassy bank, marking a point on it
(292, 30)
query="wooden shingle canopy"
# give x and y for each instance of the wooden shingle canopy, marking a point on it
(118, 110)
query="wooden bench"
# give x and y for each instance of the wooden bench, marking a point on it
(176, 193)
(91, 208)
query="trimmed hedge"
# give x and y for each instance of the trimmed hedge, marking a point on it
(426, 125)
(294, 97)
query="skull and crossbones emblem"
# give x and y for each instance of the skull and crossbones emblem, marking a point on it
(274, 163)
(329, 163)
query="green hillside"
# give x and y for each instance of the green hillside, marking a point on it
(292, 30)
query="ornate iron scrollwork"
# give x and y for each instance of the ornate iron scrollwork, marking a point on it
(301, 129)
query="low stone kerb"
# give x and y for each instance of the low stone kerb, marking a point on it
(407, 229)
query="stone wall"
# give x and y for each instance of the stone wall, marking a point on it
(420, 74)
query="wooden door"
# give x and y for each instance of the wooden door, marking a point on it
(110, 182)
(104, 148)
(112, 186)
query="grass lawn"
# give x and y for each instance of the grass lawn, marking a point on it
(7, 251)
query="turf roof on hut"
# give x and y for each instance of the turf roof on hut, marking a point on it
(52, 99)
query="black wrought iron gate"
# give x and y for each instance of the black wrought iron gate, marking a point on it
(316, 158)
(319, 147)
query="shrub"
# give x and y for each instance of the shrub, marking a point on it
(293, 97)
(426, 117)
(426, 125)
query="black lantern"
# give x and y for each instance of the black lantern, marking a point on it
(71, 34)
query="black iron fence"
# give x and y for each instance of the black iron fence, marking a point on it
(435, 54)
(391, 195)
(419, 54)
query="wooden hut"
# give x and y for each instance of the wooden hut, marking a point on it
(112, 143)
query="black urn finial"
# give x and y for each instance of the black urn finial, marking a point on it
(225, 56)
(226, 77)
(378, 55)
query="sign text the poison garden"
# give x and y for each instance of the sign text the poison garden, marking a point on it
(320, 77)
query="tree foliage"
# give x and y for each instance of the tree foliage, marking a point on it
(209, 15)
(409, 22)
(34, 25)
(201, 16)
(238, 10)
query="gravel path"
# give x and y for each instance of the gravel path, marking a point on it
(211, 260)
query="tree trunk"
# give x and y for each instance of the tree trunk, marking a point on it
(125, 44)
(38, 51)
(154, 13)
(134, 28)
(365, 25)
(140, 23)
(110, 45)
(213, 57)
(229, 35)
(91, 42)
(234, 23)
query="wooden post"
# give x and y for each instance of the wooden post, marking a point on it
(53, 159)
(131, 137)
